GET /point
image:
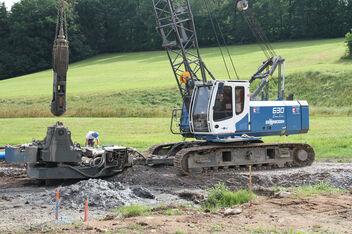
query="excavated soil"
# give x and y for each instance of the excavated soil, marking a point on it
(337, 174)
(26, 203)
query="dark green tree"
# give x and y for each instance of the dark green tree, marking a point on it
(105, 26)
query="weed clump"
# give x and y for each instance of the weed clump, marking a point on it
(140, 210)
(134, 210)
(220, 197)
(320, 188)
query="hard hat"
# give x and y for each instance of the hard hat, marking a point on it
(96, 134)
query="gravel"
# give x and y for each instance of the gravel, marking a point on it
(338, 175)
(101, 194)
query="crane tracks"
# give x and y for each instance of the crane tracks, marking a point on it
(300, 155)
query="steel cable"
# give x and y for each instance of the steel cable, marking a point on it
(217, 38)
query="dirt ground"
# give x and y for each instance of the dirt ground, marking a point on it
(27, 205)
(322, 213)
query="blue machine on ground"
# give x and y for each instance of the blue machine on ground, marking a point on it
(226, 117)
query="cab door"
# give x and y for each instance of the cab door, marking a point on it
(229, 109)
(222, 115)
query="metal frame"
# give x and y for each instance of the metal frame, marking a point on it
(176, 26)
(269, 66)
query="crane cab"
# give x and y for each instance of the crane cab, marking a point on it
(223, 109)
(220, 107)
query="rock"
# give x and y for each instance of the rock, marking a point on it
(191, 196)
(27, 202)
(2, 174)
(142, 223)
(282, 194)
(232, 211)
(100, 230)
(109, 217)
(6, 198)
(143, 193)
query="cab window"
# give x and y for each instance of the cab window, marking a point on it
(200, 111)
(239, 100)
(223, 108)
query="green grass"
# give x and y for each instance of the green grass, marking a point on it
(172, 211)
(179, 232)
(143, 70)
(142, 84)
(330, 137)
(332, 97)
(134, 210)
(140, 210)
(260, 230)
(129, 103)
(219, 196)
(320, 188)
(139, 133)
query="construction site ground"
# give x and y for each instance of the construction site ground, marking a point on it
(29, 205)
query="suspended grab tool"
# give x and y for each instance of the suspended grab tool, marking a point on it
(60, 62)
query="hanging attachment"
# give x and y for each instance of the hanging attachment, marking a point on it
(60, 62)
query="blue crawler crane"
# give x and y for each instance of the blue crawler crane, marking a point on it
(224, 116)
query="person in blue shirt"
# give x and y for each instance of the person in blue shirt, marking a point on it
(90, 139)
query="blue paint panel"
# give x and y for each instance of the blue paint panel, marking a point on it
(293, 118)
(305, 117)
(184, 122)
(243, 124)
(265, 120)
(274, 120)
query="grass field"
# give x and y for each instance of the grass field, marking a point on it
(142, 84)
(143, 70)
(330, 137)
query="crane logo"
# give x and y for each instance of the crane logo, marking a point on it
(272, 122)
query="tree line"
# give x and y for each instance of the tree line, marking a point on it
(105, 26)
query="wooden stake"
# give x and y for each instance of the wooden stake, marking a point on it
(86, 212)
(250, 185)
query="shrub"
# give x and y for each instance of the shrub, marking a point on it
(348, 42)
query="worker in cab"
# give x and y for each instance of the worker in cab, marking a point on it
(90, 139)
